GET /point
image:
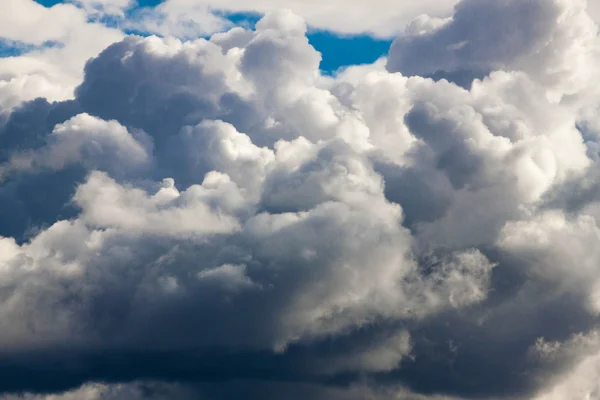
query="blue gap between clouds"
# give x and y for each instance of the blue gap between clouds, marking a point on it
(9, 48)
(12, 49)
(337, 51)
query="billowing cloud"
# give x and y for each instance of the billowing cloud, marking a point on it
(64, 40)
(214, 218)
(555, 43)
(99, 144)
(185, 18)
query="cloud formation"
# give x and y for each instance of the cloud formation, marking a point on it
(65, 39)
(214, 218)
(386, 19)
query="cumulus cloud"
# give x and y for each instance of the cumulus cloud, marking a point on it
(215, 210)
(188, 18)
(580, 353)
(61, 38)
(84, 140)
(555, 43)
(64, 38)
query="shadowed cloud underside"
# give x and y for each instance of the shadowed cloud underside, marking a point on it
(256, 204)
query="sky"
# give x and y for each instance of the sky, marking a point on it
(280, 199)
(338, 50)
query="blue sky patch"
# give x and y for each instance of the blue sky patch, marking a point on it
(11, 48)
(339, 51)
(48, 3)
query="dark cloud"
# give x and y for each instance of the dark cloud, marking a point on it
(215, 219)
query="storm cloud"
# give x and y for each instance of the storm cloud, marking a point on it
(217, 219)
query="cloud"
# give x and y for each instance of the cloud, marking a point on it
(581, 381)
(104, 8)
(132, 391)
(534, 243)
(78, 30)
(233, 234)
(186, 18)
(264, 390)
(51, 72)
(84, 140)
(555, 43)
(216, 215)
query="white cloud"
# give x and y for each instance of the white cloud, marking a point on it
(186, 20)
(189, 18)
(551, 244)
(268, 203)
(220, 201)
(593, 8)
(49, 72)
(385, 18)
(105, 7)
(192, 18)
(581, 353)
(555, 42)
(106, 204)
(98, 144)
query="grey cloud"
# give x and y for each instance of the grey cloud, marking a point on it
(539, 37)
(217, 216)
(87, 141)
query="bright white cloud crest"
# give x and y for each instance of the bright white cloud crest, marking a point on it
(221, 201)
